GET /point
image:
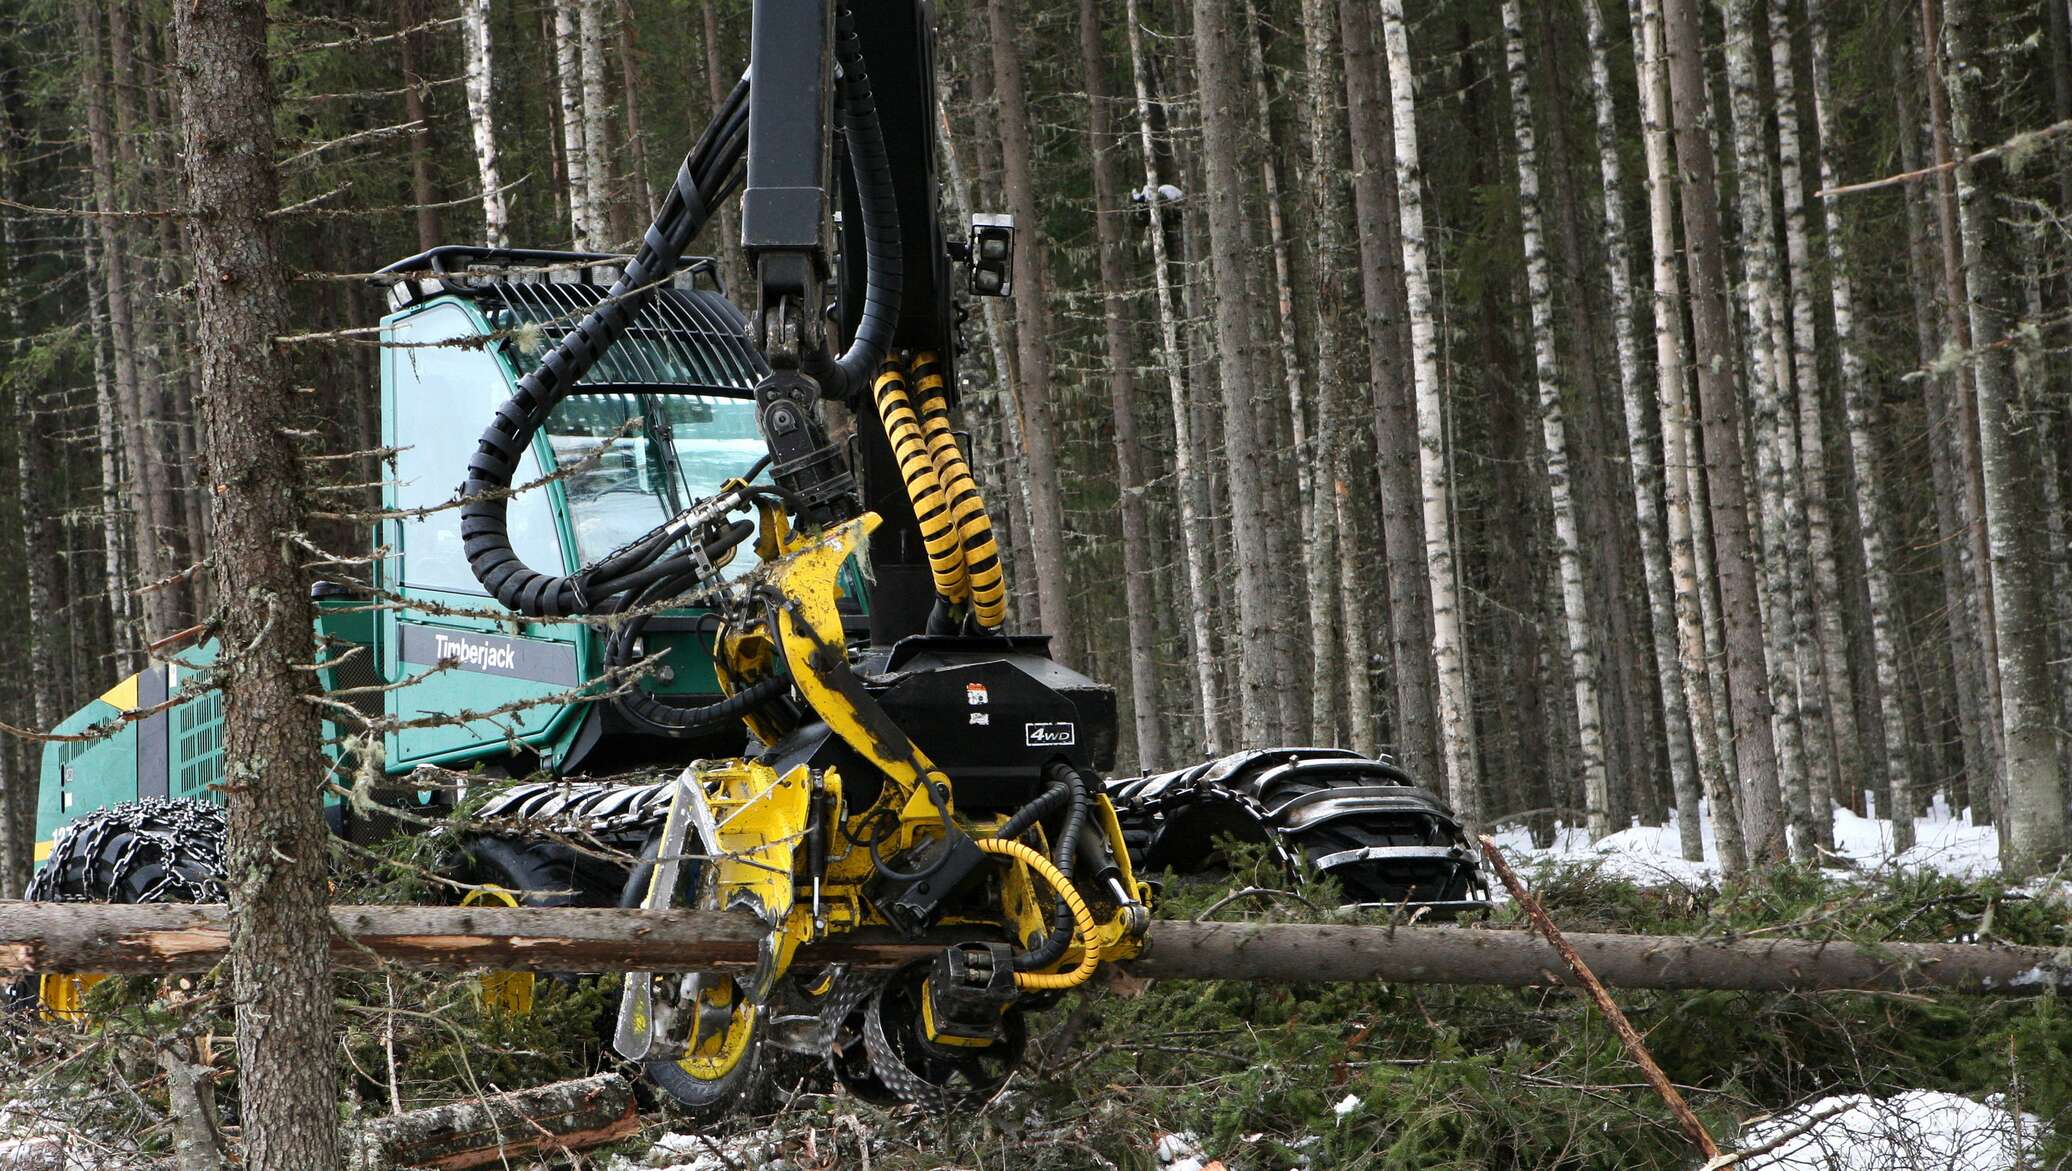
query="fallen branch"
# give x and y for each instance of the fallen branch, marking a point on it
(180, 937)
(1635, 1047)
(2028, 140)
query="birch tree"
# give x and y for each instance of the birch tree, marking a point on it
(1647, 464)
(478, 65)
(1376, 218)
(568, 75)
(1539, 280)
(2033, 836)
(1780, 510)
(597, 175)
(1754, 748)
(1191, 480)
(1456, 730)
(1860, 404)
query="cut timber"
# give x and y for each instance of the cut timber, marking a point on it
(164, 937)
(565, 1116)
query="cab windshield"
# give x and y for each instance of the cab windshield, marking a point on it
(641, 458)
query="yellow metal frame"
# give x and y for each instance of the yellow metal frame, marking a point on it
(509, 991)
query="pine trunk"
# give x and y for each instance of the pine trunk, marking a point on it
(478, 65)
(1456, 713)
(409, 52)
(1110, 214)
(1038, 439)
(280, 958)
(1221, 83)
(2032, 836)
(1754, 745)
(1377, 216)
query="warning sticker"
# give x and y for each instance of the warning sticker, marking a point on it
(976, 695)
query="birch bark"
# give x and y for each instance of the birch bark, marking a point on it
(478, 52)
(1860, 404)
(2033, 837)
(583, 227)
(1376, 216)
(1575, 607)
(1647, 464)
(1780, 515)
(1456, 730)
(1754, 747)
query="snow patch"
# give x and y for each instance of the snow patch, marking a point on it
(1944, 841)
(1346, 1106)
(1918, 1130)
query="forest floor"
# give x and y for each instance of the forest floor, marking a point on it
(1201, 1076)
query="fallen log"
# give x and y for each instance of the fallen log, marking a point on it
(544, 1120)
(186, 937)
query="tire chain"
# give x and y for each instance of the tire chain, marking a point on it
(184, 835)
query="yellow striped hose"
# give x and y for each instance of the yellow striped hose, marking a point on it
(939, 531)
(1082, 919)
(988, 587)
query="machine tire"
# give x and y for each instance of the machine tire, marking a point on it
(1323, 811)
(150, 851)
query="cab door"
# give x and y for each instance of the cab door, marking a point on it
(467, 679)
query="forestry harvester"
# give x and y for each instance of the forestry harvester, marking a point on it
(660, 564)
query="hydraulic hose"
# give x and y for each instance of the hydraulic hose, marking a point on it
(924, 490)
(1064, 853)
(986, 587)
(705, 176)
(1082, 921)
(884, 249)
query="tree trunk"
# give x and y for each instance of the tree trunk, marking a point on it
(495, 1130)
(1647, 464)
(1376, 214)
(1039, 431)
(1456, 713)
(1338, 400)
(1245, 456)
(409, 52)
(584, 228)
(1111, 212)
(186, 937)
(1980, 600)
(2032, 837)
(1860, 403)
(478, 64)
(137, 398)
(126, 647)
(1755, 749)
(1780, 508)
(1190, 481)
(597, 110)
(639, 203)
(1539, 281)
(733, 268)
(272, 740)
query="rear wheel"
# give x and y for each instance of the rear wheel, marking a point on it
(151, 851)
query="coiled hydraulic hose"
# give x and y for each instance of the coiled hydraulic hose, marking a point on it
(985, 585)
(924, 490)
(1082, 920)
(707, 176)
